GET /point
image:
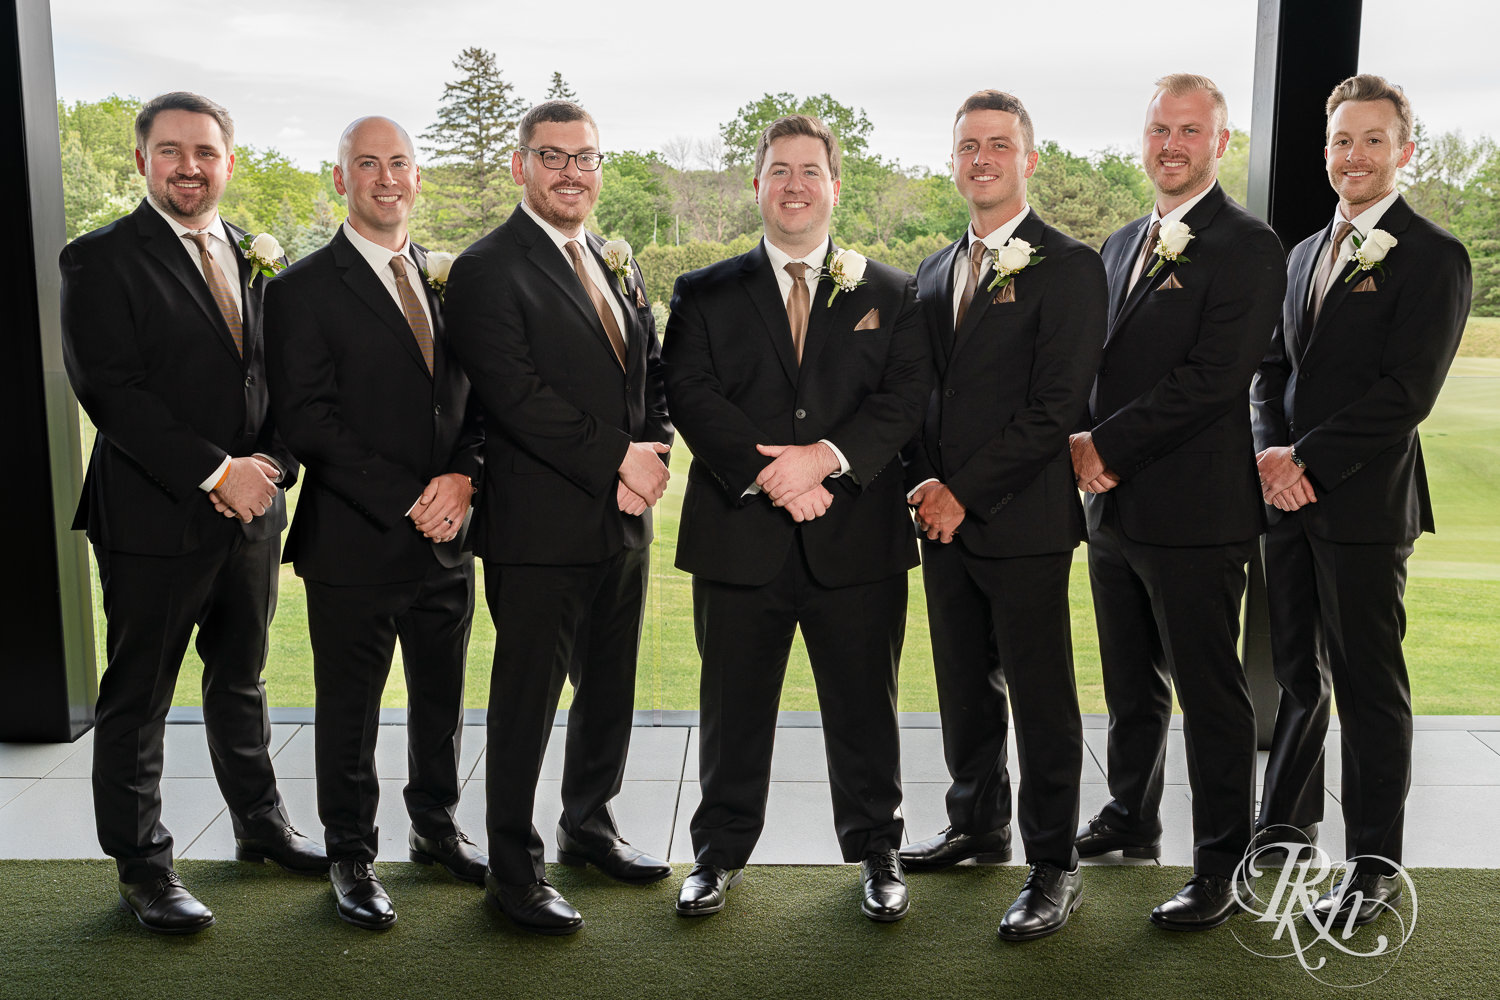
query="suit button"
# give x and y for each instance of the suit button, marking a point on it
(801, 414)
(436, 410)
(627, 386)
(249, 380)
(1104, 371)
(995, 509)
(949, 393)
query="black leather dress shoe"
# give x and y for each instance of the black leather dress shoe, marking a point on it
(885, 887)
(1098, 837)
(1270, 841)
(1047, 900)
(536, 906)
(359, 897)
(1367, 893)
(1206, 901)
(288, 848)
(616, 858)
(165, 906)
(703, 890)
(456, 853)
(950, 847)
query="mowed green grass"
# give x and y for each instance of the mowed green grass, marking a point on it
(1453, 594)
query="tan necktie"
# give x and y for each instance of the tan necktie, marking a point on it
(1325, 269)
(977, 250)
(223, 297)
(798, 306)
(606, 315)
(1148, 251)
(416, 316)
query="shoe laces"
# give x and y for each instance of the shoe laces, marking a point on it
(883, 864)
(1040, 874)
(168, 880)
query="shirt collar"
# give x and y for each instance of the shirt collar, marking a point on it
(1370, 217)
(556, 235)
(215, 226)
(1181, 210)
(379, 257)
(780, 258)
(997, 239)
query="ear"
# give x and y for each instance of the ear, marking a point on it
(1031, 162)
(836, 193)
(517, 174)
(1406, 152)
(338, 180)
(140, 162)
(1223, 144)
(417, 183)
(755, 183)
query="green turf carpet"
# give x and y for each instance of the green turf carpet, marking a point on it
(786, 932)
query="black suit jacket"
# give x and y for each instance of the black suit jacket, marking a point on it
(560, 410)
(153, 363)
(1349, 392)
(1170, 408)
(355, 403)
(733, 382)
(1012, 383)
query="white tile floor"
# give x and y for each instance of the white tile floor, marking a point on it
(46, 805)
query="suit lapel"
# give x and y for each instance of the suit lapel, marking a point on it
(942, 299)
(249, 303)
(763, 290)
(632, 332)
(1394, 221)
(1198, 218)
(168, 249)
(1031, 231)
(368, 288)
(1119, 262)
(434, 310)
(821, 321)
(553, 263)
(1304, 265)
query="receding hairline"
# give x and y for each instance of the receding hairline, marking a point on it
(346, 141)
(1180, 85)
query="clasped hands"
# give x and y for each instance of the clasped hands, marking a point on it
(247, 490)
(1089, 471)
(643, 477)
(439, 512)
(794, 478)
(939, 512)
(1283, 483)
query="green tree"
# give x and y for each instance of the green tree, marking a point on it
(633, 199)
(1084, 201)
(269, 193)
(1234, 166)
(558, 89)
(742, 132)
(469, 185)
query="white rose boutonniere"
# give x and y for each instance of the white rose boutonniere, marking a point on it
(846, 269)
(263, 253)
(1171, 240)
(1010, 260)
(618, 257)
(1370, 252)
(439, 263)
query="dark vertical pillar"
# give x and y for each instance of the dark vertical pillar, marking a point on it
(48, 680)
(1302, 50)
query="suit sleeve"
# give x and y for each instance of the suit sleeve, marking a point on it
(108, 375)
(468, 450)
(886, 419)
(1268, 391)
(1415, 359)
(1069, 341)
(305, 400)
(1238, 318)
(721, 435)
(658, 423)
(484, 322)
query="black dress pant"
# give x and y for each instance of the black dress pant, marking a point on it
(1170, 616)
(1337, 618)
(556, 623)
(227, 588)
(354, 631)
(853, 636)
(1001, 624)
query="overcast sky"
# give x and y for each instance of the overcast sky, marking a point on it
(294, 72)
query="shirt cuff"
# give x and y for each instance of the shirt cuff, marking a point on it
(929, 479)
(843, 462)
(207, 486)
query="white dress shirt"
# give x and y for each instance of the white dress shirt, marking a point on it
(994, 241)
(1362, 223)
(379, 259)
(1173, 216)
(590, 265)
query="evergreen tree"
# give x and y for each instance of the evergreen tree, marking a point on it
(559, 89)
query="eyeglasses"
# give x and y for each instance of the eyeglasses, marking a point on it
(556, 159)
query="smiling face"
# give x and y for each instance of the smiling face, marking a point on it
(796, 194)
(380, 178)
(186, 164)
(1181, 146)
(1363, 154)
(563, 197)
(990, 166)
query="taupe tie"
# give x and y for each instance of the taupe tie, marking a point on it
(416, 316)
(223, 297)
(1147, 251)
(977, 250)
(606, 314)
(1325, 269)
(798, 306)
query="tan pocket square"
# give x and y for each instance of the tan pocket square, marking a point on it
(870, 322)
(1368, 285)
(1171, 282)
(1006, 294)
(640, 296)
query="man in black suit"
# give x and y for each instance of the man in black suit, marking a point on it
(796, 395)
(162, 342)
(1015, 316)
(1356, 364)
(561, 348)
(370, 401)
(1173, 510)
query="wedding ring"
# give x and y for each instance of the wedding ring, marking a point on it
(448, 519)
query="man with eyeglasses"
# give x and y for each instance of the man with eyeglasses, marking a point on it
(562, 350)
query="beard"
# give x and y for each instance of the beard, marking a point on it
(1189, 181)
(186, 205)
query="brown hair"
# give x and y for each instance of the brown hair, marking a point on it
(553, 111)
(182, 100)
(806, 125)
(1369, 87)
(1183, 84)
(999, 100)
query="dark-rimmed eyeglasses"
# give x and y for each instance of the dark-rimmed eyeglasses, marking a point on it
(556, 159)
